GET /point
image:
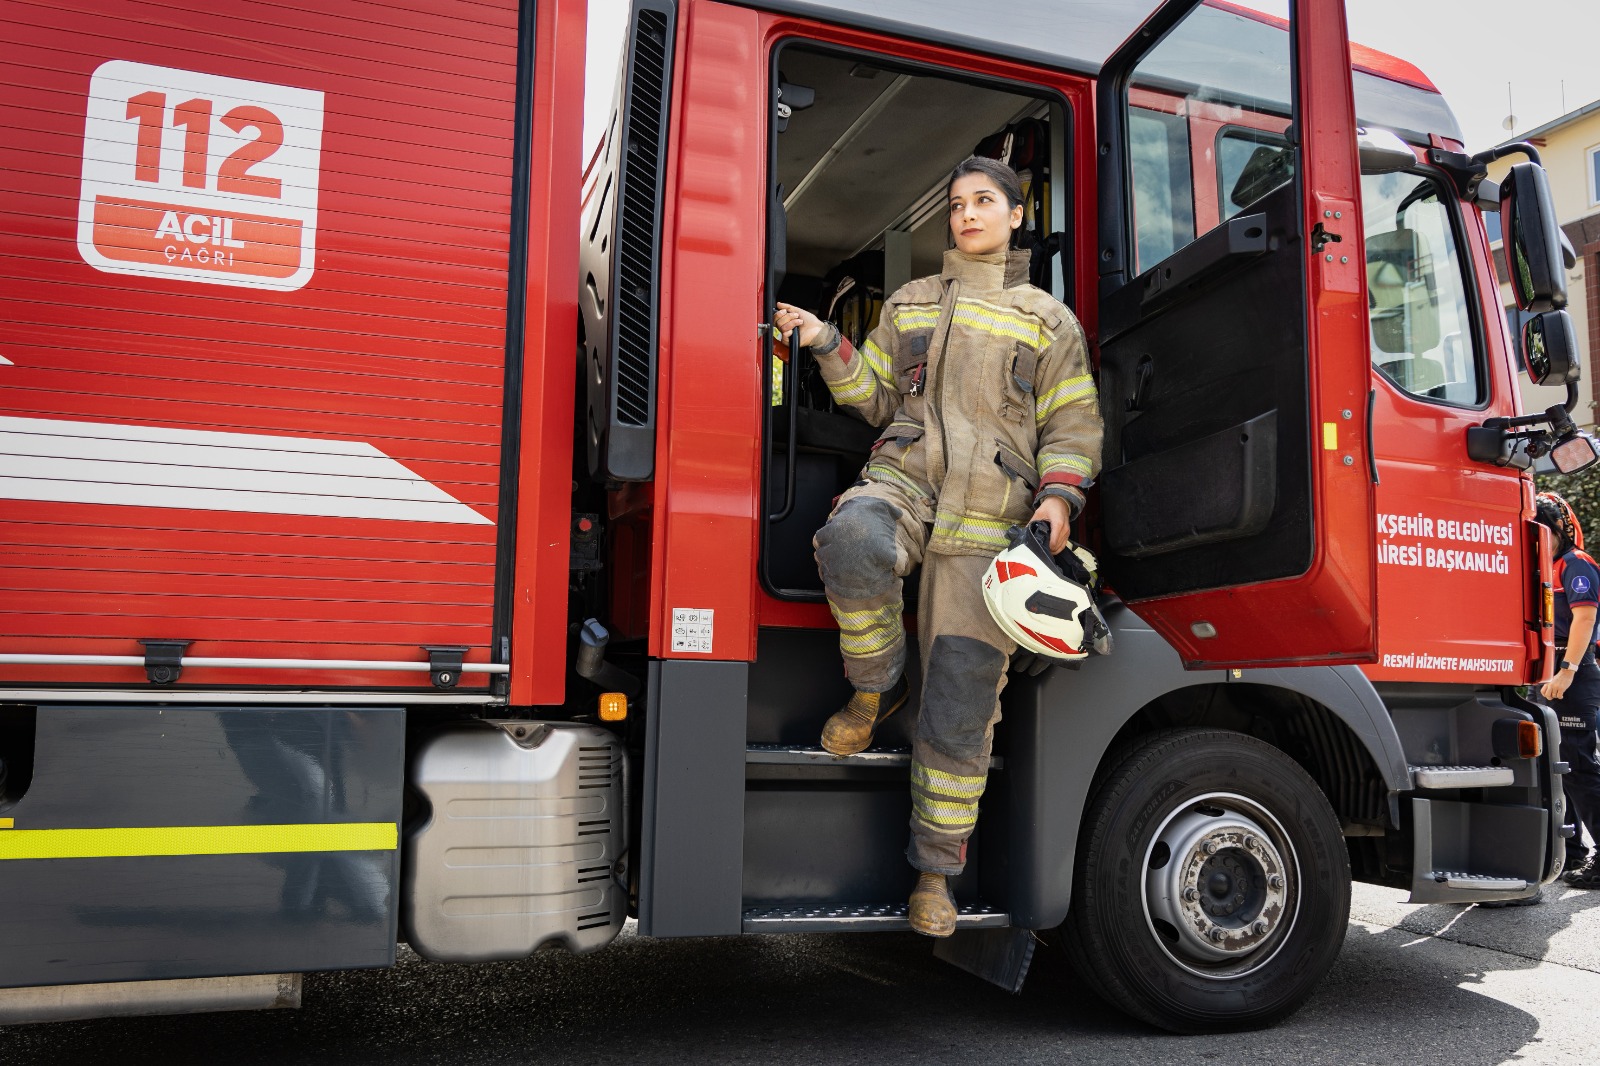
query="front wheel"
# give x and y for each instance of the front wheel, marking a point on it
(1212, 887)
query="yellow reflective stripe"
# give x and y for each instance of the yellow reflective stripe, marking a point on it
(197, 840)
(868, 631)
(1075, 464)
(869, 617)
(947, 784)
(862, 646)
(878, 360)
(985, 532)
(1072, 390)
(858, 387)
(916, 316)
(887, 472)
(1002, 322)
(950, 817)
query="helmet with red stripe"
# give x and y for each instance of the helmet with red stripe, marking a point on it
(1045, 603)
(1554, 512)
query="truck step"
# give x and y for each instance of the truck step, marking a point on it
(858, 918)
(1462, 776)
(1478, 882)
(813, 755)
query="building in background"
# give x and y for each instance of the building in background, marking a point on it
(1570, 149)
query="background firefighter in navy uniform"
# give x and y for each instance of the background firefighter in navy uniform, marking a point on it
(992, 417)
(1574, 690)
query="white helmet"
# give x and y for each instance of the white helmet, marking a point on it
(1046, 604)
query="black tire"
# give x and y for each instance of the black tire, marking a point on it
(1233, 814)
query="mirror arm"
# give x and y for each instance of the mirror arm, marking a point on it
(1496, 440)
(1489, 155)
(1466, 172)
(1469, 173)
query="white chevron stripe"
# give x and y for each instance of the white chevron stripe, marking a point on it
(152, 466)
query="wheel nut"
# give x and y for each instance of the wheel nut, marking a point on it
(1215, 934)
(1209, 847)
(1275, 881)
(1250, 842)
(1259, 928)
(1190, 894)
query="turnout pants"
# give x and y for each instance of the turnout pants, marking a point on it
(875, 537)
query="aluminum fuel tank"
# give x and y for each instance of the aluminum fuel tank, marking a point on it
(516, 850)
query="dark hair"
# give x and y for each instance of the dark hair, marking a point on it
(1003, 176)
(1000, 173)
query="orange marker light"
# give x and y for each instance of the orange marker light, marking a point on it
(613, 707)
(1530, 741)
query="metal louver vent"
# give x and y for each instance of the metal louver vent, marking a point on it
(630, 451)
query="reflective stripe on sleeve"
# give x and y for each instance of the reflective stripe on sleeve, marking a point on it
(1072, 390)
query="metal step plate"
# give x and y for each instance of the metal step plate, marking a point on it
(858, 918)
(1462, 776)
(812, 755)
(1478, 882)
(803, 755)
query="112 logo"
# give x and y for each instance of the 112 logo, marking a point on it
(200, 177)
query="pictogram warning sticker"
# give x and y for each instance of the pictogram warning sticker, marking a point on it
(692, 629)
(200, 177)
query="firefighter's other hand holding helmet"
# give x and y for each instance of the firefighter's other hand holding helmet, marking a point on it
(1045, 602)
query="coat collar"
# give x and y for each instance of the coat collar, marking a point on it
(986, 273)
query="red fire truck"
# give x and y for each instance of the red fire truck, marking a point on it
(407, 539)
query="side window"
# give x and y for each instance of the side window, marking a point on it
(1218, 69)
(1163, 194)
(1421, 323)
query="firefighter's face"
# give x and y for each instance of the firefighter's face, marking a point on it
(980, 219)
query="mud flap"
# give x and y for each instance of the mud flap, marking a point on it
(999, 956)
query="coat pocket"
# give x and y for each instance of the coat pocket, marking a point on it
(911, 362)
(1003, 488)
(897, 457)
(1024, 365)
(1012, 462)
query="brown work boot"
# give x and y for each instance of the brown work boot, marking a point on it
(850, 731)
(933, 909)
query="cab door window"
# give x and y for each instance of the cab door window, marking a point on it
(1420, 320)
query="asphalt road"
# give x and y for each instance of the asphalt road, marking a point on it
(1436, 985)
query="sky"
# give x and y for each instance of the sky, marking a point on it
(1470, 49)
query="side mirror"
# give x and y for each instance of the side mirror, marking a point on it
(1383, 152)
(1550, 348)
(1576, 453)
(1532, 240)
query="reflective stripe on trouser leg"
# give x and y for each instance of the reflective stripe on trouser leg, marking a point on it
(944, 804)
(964, 657)
(869, 543)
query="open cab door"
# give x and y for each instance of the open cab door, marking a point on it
(1236, 496)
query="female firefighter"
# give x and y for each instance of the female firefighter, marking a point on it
(992, 420)
(1574, 690)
